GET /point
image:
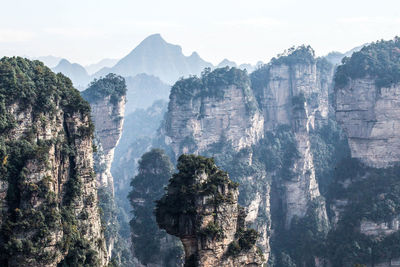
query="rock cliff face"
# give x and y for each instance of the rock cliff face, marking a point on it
(217, 115)
(107, 113)
(151, 246)
(367, 88)
(219, 105)
(107, 97)
(49, 212)
(110, 118)
(225, 122)
(207, 217)
(369, 115)
(293, 90)
(295, 167)
(365, 191)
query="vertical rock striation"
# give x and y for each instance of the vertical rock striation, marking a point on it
(369, 115)
(49, 212)
(367, 88)
(268, 125)
(204, 111)
(293, 90)
(217, 115)
(107, 101)
(107, 97)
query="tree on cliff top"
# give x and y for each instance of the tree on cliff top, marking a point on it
(211, 83)
(379, 61)
(184, 187)
(111, 85)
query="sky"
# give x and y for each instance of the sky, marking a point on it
(246, 31)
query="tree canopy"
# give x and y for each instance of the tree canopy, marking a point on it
(111, 85)
(379, 61)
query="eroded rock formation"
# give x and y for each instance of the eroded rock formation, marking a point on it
(369, 115)
(203, 111)
(107, 101)
(107, 97)
(49, 199)
(200, 207)
(267, 123)
(293, 91)
(367, 95)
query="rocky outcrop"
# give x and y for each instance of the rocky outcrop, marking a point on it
(108, 118)
(207, 218)
(218, 114)
(107, 97)
(50, 211)
(293, 90)
(369, 116)
(291, 96)
(220, 106)
(107, 110)
(367, 88)
(372, 228)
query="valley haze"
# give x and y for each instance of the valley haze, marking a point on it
(200, 133)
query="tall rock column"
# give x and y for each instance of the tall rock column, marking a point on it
(367, 94)
(49, 214)
(217, 115)
(107, 101)
(200, 207)
(293, 91)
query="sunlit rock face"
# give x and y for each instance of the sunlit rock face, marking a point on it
(108, 118)
(291, 95)
(211, 113)
(293, 91)
(370, 118)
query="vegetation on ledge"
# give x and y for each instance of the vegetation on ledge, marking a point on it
(111, 85)
(379, 61)
(295, 55)
(211, 84)
(32, 84)
(184, 187)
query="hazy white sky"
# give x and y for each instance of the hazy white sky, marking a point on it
(85, 31)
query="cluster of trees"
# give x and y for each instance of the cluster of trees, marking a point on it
(379, 61)
(30, 83)
(295, 55)
(184, 189)
(111, 85)
(211, 84)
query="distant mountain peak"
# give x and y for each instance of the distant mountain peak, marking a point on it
(155, 36)
(194, 55)
(74, 71)
(64, 61)
(157, 57)
(226, 62)
(153, 39)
